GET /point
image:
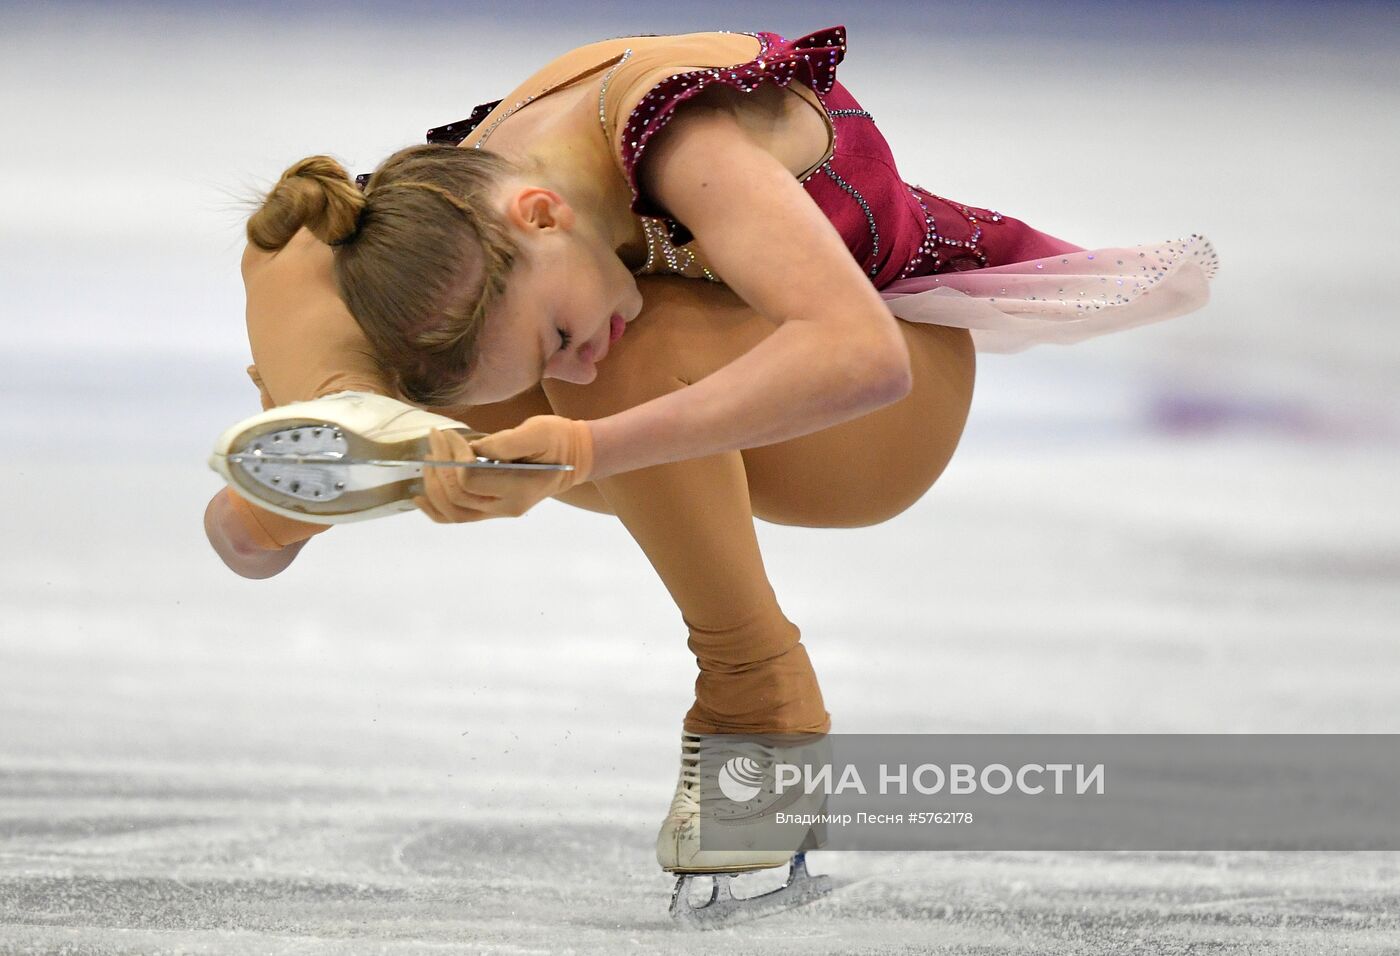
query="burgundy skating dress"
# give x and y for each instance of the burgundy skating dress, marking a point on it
(933, 259)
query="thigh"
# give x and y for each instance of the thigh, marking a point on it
(857, 473)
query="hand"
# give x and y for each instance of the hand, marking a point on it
(452, 495)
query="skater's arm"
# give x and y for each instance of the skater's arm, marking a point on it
(837, 353)
(235, 541)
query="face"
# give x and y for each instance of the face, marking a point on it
(556, 318)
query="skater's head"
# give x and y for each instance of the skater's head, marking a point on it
(461, 266)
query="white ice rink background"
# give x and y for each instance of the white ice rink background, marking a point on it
(462, 739)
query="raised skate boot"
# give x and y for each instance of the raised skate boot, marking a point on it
(348, 456)
(726, 784)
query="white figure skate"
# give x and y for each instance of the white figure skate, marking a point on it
(349, 456)
(678, 847)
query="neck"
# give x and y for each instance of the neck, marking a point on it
(584, 177)
(596, 192)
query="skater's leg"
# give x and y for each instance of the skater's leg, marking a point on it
(889, 457)
(694, 519)
(869, 469)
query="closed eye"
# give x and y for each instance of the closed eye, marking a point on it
(564, 338)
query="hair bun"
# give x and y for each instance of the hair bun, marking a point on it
(316, 193)
(353, 232)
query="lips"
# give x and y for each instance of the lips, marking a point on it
(590, 352)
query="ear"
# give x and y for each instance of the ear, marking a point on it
(535, 207)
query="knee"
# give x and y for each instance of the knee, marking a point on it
(640, 366)
(866, 471)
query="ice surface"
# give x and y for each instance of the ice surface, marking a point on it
(451, 739)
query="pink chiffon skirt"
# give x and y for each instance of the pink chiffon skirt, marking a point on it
(1065, 296)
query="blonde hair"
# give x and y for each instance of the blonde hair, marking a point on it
(420, 255)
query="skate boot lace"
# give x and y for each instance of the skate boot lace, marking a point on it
(694, 748)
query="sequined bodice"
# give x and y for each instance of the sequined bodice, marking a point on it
(894, 229)
(664, 256)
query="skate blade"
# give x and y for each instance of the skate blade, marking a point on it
(724, 909)
(318, 470)
(299, 467)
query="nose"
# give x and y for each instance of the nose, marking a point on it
(569, 368)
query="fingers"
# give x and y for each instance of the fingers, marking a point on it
(454, 495)
(453, 516)
(445, 511)
(459, 494)
(425, 506)
(472, 488)
(444, 499)
(497, 484)
(495, 446)
(457, 447)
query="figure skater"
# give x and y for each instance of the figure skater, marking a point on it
(687, 267)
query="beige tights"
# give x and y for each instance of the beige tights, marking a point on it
(694, 519)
